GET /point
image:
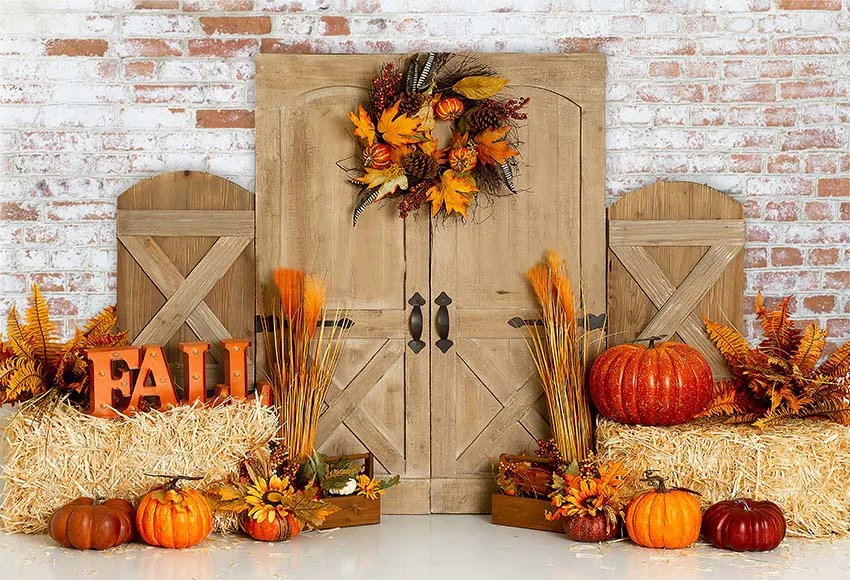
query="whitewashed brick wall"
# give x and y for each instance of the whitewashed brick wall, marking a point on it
(749, 96)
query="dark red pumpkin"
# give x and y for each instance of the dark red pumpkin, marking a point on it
(280, 529)
(744, 525)
(86, 524)
(664, 383)
(588, 528)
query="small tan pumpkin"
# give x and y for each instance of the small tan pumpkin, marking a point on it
(87, 524)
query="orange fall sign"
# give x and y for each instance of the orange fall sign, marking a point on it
(153, 378)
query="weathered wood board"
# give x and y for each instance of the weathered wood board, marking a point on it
(675, 254)
(186, 265)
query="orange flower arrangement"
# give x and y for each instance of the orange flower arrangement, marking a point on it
(593, 490)
(400, 156)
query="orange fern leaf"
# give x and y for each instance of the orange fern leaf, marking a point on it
(17, 337)
(780, 333)
(726, 401)
(808, 352)
(835, 409)
(102, 322)
(837, 365)
(731, 344)
(27, 378)
(40, 331)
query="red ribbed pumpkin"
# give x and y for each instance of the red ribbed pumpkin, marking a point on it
(588, 528)
(86, 524)
(280, 529)
(449, 109)
(377, 155)
(744, 525)
(667, 383)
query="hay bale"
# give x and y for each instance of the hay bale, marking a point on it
(802, 465)
(55, 456)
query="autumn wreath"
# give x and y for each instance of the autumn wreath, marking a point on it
(400, 155)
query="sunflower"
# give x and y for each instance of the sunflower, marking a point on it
(369, 487)
(267, 498)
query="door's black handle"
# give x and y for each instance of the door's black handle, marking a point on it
(443, 301)
(416, 344)
(594, 321)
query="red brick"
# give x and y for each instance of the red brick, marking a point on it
(48, 281)
(76, 47)
(335, 26)
(706, 116)
(824, 163)
(823, 256)
(723, 45)
(665, 68)
(743, 163)
(224, 118)
(744, 116)
(17, 211)
(786, 257)
(757, 233)
(832, 138)
(813, 89)
(752, 209)
(780, 211)
(149, 47)
(678, 93)
(845, 210)
(663, 46)
(218, 5)
(814, 69)
(61, 306)
(819, 304)
(783, 163)
(742, 93)
(236, 24)
(275, 46)
(797, 45)
(596, 44)
(755, 258)
(168, 94)
(836, 280)
(697, 69)
(156, 4)
(780, 116)
(838, 326)
(777, 68)
(143, 69)
(834, 187)
(223, 48)
(818, 211)
(784, 282)
(809, 4)
(740, 69)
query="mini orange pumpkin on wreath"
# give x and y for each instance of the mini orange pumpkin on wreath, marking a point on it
(400, 155)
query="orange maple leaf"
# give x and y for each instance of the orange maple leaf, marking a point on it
(454, 191)
(398, 129)
(493, 146)
(363, 126)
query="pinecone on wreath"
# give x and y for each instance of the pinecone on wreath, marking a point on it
(421, 166)
(482, 118)
(411, 103)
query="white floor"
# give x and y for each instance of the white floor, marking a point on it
(418, 547)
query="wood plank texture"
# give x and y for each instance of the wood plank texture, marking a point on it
(187, 283)
(675, 254)
(524, 512)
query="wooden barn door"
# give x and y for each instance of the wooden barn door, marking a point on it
(435, 417)
(379, 400)
(485, 396)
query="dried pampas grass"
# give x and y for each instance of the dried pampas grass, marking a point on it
(56, 454)
(802, 465)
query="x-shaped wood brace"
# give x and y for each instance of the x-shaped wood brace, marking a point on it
(516, 404)
(676, 305)
(184, 296)
(343, 407)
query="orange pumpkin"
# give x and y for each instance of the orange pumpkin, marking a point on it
(279, 529)
(377, 156)
(172, 517)
(463, 159)
(86, 524)
(448, 109)
(665, 517)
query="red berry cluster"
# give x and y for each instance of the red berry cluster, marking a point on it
(413, 199)
(386, 87)
(509, 109)
(548, 449)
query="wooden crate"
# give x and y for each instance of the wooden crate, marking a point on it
(354, 510)
(523, 512)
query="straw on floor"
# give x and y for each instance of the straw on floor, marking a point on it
(802, 465)
(52, 458)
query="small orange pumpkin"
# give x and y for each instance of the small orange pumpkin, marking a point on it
(377, 156)
(665, 517)
(463, 159)
(448, 109)
(280, 529)
(86, 524)
(172, 517)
